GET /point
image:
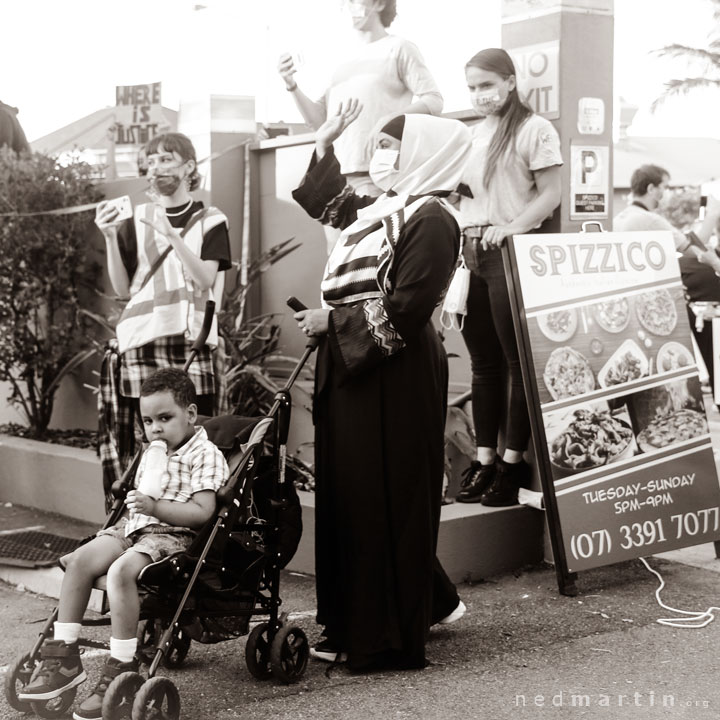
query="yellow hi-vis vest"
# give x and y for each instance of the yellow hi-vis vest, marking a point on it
(170, 303)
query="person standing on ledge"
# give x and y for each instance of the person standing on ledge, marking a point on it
(386, 73)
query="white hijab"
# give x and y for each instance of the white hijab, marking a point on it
(433, 153)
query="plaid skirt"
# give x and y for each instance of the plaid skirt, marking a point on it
(137, 364)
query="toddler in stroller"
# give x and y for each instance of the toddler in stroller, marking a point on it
(206, 587)
(152, 529)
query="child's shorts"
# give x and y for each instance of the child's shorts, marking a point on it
(157, 541)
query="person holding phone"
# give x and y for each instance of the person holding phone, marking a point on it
(514, 179)
(381, 389)
(386, 73)
(168, 261)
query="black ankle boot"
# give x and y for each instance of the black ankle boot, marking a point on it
(475, 481)
(509, 478)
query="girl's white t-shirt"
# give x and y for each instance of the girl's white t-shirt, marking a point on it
(384, 75)
(512, 186)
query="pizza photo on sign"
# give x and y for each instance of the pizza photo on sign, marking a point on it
(568, 373)
(558, 325)
(626, 364)
(613, 314)
(588, 437)
(674, 427)
(656, 311)
(668, 414)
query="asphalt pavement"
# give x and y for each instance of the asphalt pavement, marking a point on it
(522, 650)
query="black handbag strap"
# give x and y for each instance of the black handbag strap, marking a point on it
(199, 215)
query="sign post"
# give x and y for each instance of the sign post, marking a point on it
(618, 421)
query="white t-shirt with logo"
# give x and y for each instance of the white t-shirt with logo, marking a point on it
(512, 185)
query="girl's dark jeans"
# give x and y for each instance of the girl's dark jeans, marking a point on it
(489, 335)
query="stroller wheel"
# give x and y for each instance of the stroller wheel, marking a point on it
(257, 652)
(18, 675)
(157, 698)
(56, 707)
(289, 654)
(120, 695)
(149, 632)
(178, 651)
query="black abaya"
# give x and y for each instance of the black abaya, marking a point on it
(380, 458)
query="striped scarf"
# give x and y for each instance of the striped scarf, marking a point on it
(360, 264)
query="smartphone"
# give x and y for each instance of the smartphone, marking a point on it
(123, 206)
(298, 59)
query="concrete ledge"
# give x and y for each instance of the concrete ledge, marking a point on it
(44, 581)
(475, 541)
(51, 477)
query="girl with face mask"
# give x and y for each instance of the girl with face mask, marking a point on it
(168, 260)
(381, 389)
(514, 176)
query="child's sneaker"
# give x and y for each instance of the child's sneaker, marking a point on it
(59, 671)
(91, 708)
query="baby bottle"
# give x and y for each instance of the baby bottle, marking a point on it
(156, 461)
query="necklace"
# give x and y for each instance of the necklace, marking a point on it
(180, 212)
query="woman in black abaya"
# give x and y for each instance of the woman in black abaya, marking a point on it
(381, 390)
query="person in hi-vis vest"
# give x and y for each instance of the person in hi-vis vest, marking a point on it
(167, 290)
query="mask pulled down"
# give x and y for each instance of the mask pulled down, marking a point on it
(383, 167)
(165, 184)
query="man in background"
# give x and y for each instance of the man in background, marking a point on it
(11, 133)
(699, 264)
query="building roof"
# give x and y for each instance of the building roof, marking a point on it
(690, 161)
(89, 132)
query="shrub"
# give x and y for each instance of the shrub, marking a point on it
(44, 263)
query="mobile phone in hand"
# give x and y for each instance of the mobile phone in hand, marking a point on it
(123, 206)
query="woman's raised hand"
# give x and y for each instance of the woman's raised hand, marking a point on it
(161, 225)
(286, 68)
(333, 127)
(105, 215)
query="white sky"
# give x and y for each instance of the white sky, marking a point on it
(61, 59)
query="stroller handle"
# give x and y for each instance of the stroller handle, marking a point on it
(202, 335)
(207, 324)
(294, 304)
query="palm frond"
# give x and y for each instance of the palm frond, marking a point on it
(705, 55)
(682, 87)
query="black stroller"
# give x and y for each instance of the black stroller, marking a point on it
(230, 573)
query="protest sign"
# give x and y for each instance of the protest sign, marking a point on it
(138, 114)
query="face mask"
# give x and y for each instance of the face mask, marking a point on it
(383, 167)
(358, 10)
(488, 102)
(165, 184)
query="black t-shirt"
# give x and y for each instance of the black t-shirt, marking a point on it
(215, 246)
